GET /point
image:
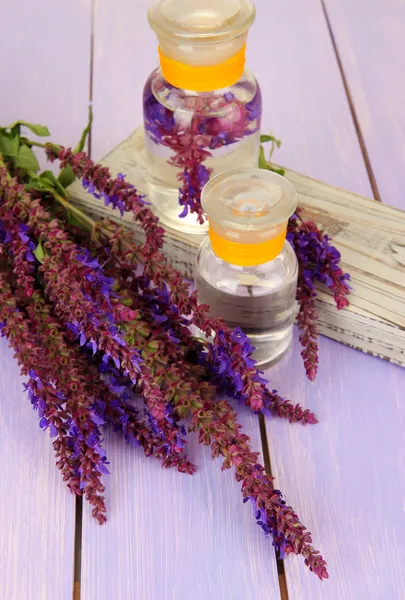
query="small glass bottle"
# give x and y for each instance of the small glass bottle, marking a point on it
(246, 271)
(202, 109)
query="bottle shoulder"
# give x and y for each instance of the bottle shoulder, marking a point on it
(245, 91)
(276, 273)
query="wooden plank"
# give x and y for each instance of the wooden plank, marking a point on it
(296, 73)
(175, 536)
(371, 44)
(125, 53)
(291, 54)
(36, 510)
(45, 66)
(380, 220)
(296, 76)
(44, 74)
(370, 236)
(345, 475)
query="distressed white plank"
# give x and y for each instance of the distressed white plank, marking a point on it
(369, 234)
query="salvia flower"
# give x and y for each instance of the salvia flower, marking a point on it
(195, 135)
(319, 262)
(107, 338)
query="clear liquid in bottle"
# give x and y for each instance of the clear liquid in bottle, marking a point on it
(246, 271)
(218, 130)
(260, 300)
(202, 109)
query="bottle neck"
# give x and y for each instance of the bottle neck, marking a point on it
(203, 78)
(247, 254)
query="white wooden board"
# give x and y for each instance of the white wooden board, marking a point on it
(369, 235)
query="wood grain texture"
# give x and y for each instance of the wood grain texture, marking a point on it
(36, 509)
(45, 65)
(290, 52)
(371, 43)
(369, 235)
(345, 476)
(350, 490)
(174, 537)
(125, 53)
(44, 74)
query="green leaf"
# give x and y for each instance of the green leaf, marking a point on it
(262, 159)
(66, 177)
(270, 138)
(9, 144)
(263, 164)
(49, 178)
(39, 253)
(267, 138)
(34, 184)
(126, 301)
(40, 130)
(82, 142)
(26, 159)
(46, 181)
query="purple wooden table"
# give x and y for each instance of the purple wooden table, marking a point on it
(332, 77)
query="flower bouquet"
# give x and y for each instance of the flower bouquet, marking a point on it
(104, 330)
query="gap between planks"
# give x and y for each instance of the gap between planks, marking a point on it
(267, 463)
(78, 547)
(359, 133)
(77, 561)
(263, 433)
(76, 591)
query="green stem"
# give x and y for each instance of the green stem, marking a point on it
(30, 143)
(87, 222)
(84, 219)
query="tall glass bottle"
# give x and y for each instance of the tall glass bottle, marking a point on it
(246, 271)
(202, 109)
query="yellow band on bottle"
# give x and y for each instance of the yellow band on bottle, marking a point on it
(246, 255)
(203, 79)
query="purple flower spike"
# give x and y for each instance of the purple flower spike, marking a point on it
(318, 262)
(218, 121)
(128, 293)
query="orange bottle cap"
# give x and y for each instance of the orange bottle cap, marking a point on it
(204, 78)
(202, 42)
(248, 212)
